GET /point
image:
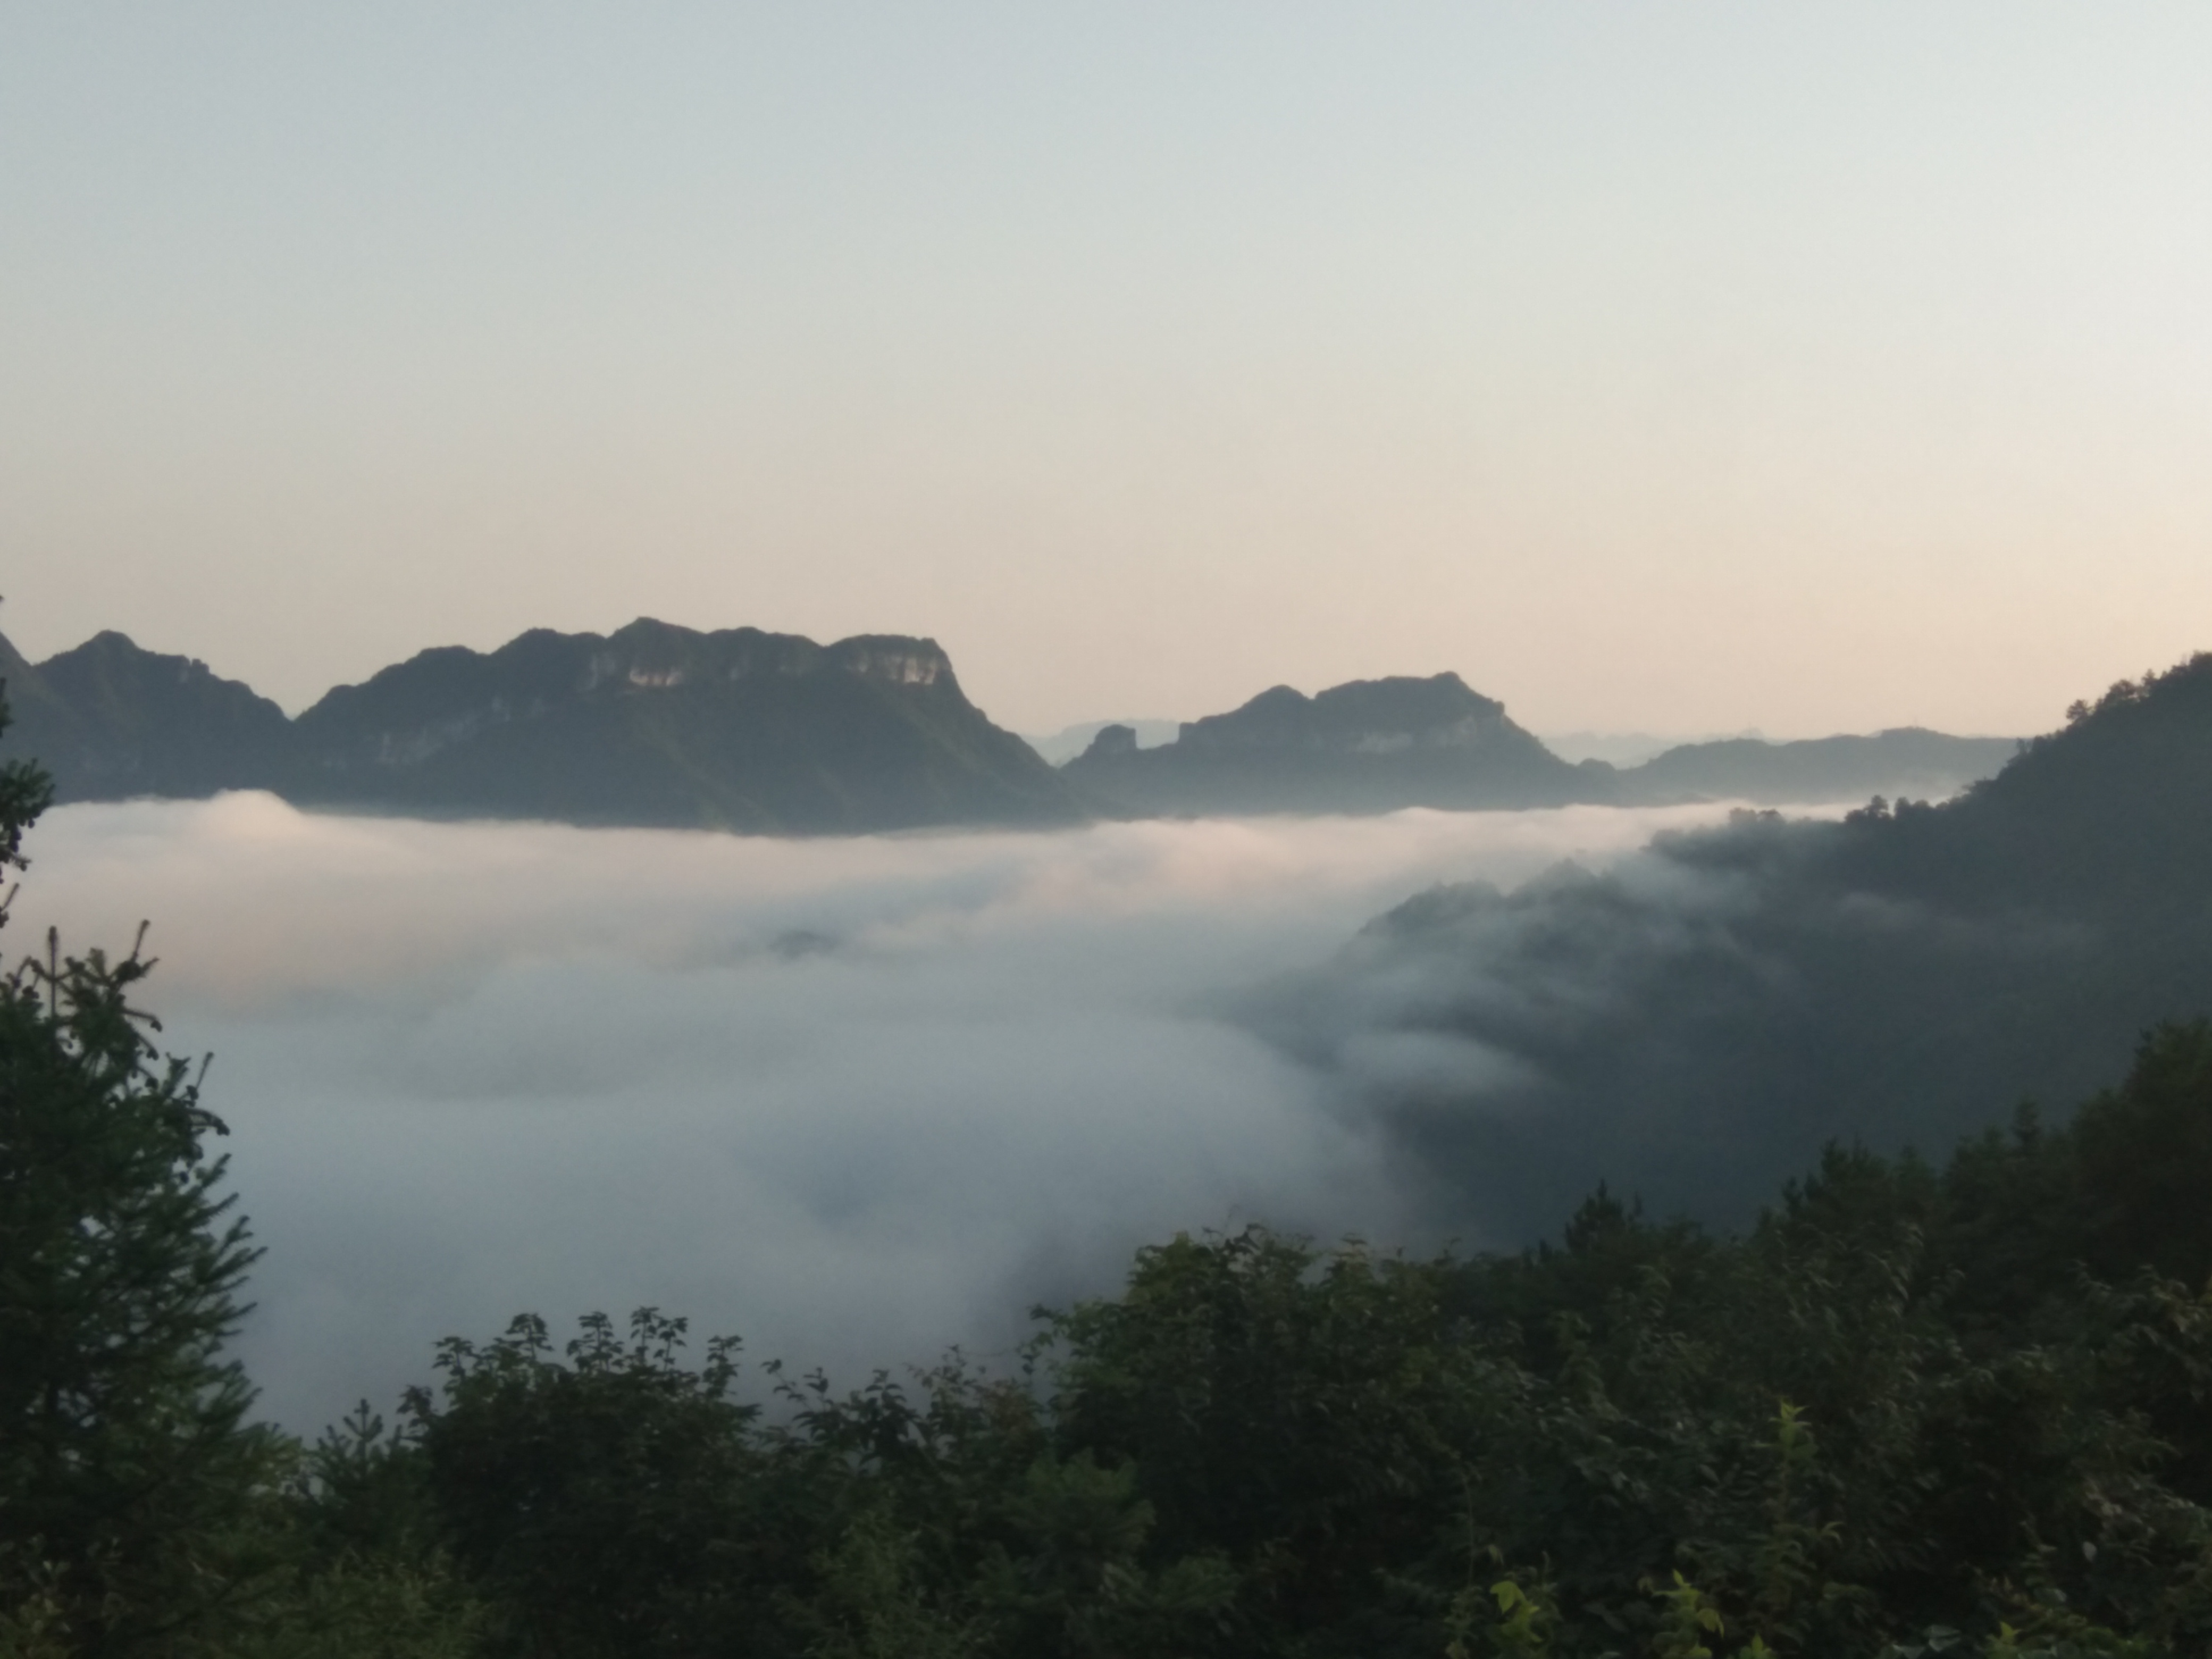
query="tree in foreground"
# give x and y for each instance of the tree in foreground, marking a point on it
(125, 1460)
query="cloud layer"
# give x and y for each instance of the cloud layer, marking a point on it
(854, 1100)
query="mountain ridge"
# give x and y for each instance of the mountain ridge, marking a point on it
(654, 725)
(747, 730)
(1899, 760)
(1385, 744)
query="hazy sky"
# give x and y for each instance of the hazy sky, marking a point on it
(1677, 368)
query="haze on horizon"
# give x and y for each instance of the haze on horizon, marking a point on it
(1676, 371)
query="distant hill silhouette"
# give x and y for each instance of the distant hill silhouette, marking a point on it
(1695, 1022)
(109, 720)
(653, 725)
(1908, 760)
(1366, 746)
(1064, 745)
(772, 733)
(1379, 745)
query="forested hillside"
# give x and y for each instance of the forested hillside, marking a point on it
(1909, 1403)
(1698, 1021)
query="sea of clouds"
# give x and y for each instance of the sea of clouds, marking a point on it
(856, 1100)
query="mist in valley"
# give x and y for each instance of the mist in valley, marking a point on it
(854, 1100)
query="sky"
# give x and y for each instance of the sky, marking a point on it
(854, 1100)
(1670, 369)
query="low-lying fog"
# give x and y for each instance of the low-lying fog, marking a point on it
(856, 1100)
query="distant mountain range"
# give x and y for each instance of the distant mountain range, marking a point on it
(652, 724)
(1907, 761)
(1367, 746)
(774, 734)
(1064, 745)
(1379, 745)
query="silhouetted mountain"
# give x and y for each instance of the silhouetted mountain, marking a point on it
(654, 725)
(659, 725)
(1624, 748)
(110, 721)
(1366, 746)
(1695, 1022)
(1377, 745)
(1064, 745)
(1909, 761)
(28, 696)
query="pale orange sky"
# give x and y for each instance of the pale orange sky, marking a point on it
(1675, 370)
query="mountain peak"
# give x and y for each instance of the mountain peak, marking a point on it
(1363, 716)
(1363, 746)
(110, 719)
(657, 723)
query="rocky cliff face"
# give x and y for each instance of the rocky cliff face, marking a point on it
(652, 724)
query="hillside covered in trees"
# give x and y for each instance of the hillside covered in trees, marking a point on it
(1699, 1020)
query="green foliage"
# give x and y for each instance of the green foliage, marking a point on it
(873, 1601)
(2142, 1151)
(26, 791)
(128, 1464)
(1524, 1621)
(1904, 1390)
(35, 1618)
(1074, 1579)
(140, 1513)
(362, 1607)
(600, 1499)
(365, 1570)
(1688, 1617)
